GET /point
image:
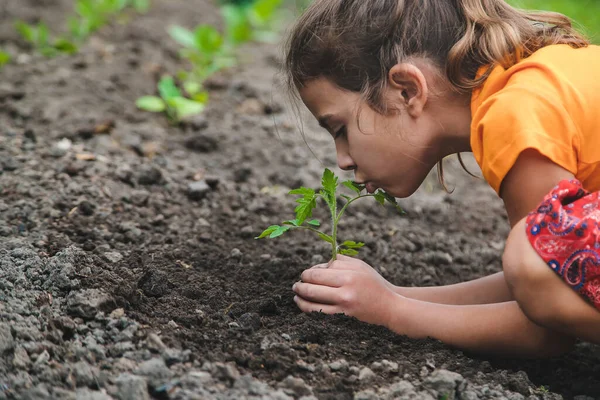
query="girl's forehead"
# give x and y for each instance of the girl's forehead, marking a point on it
(322, 96)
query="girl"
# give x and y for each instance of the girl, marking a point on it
(521, 90)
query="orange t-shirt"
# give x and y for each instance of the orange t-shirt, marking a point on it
(549, 102)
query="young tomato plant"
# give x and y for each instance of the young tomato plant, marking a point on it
(172, 101)
(308, 202)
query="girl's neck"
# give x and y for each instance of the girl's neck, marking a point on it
(454, 117)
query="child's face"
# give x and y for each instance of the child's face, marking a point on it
(392, 152)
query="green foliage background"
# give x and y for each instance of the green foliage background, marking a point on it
(584, 13)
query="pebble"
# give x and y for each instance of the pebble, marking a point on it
(154, 368)
(155, 342)
(198, 190)
(250, 321)
(339, 365)
(7, 342)
(149, 175)
(444, 383)
(366, 375)
(86, 303)
(236, 253)
(132, 387)
(295, 387)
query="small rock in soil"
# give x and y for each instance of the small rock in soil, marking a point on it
(75, 167)
(339, 365)
(21, 358)
(225, 372)
(139, 197)
(250, 321)
(155, 343)
(149, 175)
(154, 283)
(7, 342)
(9, 163)
(241, 175)
(366, 375)
(86, 208)
(519, 382)
(444, 383)
(87, 394)
(85, 374)
(202, 144)
(268, 307)
(236, 253)
(87, 303)
(154, 368)
(132, 387)
(198, 190)
(112, 256)
(295, 387)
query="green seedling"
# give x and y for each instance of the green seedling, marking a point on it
(93, 14)
(247, 21)
(39, 37)
(4, 58)
(205, 49)
(172, 101)
(328, 192)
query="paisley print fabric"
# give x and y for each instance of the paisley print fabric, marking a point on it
(565, 231)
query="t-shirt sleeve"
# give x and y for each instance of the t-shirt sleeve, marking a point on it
(516, 119)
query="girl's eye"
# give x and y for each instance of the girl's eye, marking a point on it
(340, 132)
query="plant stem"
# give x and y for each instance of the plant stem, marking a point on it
(336, 219)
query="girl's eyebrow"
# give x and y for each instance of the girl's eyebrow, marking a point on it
(324, 121)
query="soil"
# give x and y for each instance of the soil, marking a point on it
(128, 266)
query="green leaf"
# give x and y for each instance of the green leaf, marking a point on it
(65, 46)
(201, 97)
(186, 107)
(167, 88)
(208, 40)
(353, 186)
(183, 36)
(26, 31)
(314, 222)
(346, 197)
(352, 244)
(264, 10)
(303, 191)
(307, 203)
(380, 197)
(329, 182)
(293, 222)
(326, 238)
(191, 87)
(348, 252)
(267, 232)
(151, 103)
(237, 25)
(4, 58)
(279, 231)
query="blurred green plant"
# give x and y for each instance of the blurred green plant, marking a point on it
(39, 37)
(208, 50)
(584, 13)
(4, 58)
(90, 16)
(172, 102)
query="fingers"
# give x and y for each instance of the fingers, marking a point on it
(308, 306)
(316, 293)
(342, 257)
(326, 277)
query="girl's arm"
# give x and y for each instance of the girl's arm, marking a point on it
(521, 193)
(486, 290)
(500, 329)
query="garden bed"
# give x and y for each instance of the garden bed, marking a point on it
(128, 266)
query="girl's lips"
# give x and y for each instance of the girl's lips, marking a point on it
(370, 187)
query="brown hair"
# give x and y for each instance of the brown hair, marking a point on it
(354, 43)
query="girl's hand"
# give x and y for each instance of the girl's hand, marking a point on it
(348, 286)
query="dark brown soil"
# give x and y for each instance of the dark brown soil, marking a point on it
(179, 260)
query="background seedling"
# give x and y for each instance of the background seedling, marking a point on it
(4, 58)
(172, 101)
(39, 37)
(308, 202)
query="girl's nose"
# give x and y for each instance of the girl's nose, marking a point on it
(345, 162)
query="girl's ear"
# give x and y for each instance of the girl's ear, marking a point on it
(409, 87)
